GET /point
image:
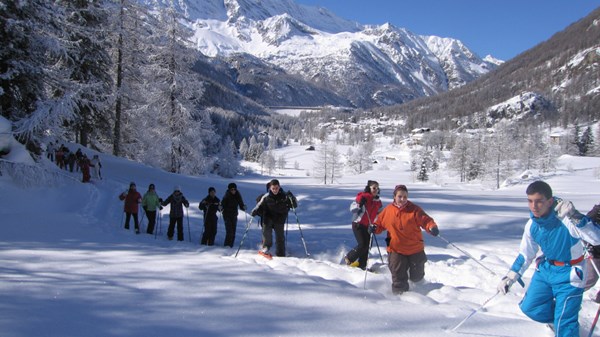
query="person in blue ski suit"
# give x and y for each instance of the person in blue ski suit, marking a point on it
(556, 289)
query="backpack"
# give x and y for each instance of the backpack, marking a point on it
(357, 211)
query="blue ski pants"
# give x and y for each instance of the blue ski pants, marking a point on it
(554, 296)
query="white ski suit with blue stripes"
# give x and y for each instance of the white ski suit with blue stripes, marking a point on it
(556, 289)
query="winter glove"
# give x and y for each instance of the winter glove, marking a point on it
(160, 207)
(363, 201)
(594, 214)
(372, 229)
(434, 231)
(289, 194)
(507, 281)
(244, 208)
(565, 208)
(254, 213)
(160, 200)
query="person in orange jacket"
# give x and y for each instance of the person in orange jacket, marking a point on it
(406, 251)
(368, 200)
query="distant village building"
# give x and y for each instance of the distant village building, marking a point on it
(416, 135)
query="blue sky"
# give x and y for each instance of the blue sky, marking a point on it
(502, 28)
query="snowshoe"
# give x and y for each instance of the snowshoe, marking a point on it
(265, 254)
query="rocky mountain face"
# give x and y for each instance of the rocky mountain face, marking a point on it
(279, 53)
(557, 81)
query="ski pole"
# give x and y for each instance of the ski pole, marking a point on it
(244, 237)
(187, 214)
(300, 228)
(367, 262)
(375, 237)
(475, 311)
(158, 215)
(594, 322)
(379, 250)
(142, 220)
(474, 259)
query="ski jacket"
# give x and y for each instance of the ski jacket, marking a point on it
(132, 200)
(560, 241)
(177, 201)
(372, 206)
(231, 202)
(210, 206)
(274, 208)
(150, 201)
(404, 224)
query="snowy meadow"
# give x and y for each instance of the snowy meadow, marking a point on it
(68, 268)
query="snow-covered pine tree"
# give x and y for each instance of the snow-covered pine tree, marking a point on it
(423, 175)
(89, 64)
(184, 129)
(243, 148)
(226, 163)
(131, 29)
(34, 90)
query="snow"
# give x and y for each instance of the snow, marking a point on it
(68, 268)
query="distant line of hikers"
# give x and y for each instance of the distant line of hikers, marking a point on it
(77, 161)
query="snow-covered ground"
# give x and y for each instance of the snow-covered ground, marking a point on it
(68, 268)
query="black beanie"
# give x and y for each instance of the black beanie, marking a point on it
(231, 185)
(211, 189)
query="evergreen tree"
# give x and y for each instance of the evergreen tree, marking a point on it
(35, 92)
(226, 164)
(423, 175)
(131, 40)
(88, 63)
(175, 90)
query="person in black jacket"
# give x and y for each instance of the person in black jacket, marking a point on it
(210, 205)
(177, 201)
(232, 200)
(273, 207)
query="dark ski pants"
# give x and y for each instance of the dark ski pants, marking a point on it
(405, 267)
(361, 251)
(230, 228)
(171, 230)
(267, 236)
(210, 231)
(151, 215)
(135, 220)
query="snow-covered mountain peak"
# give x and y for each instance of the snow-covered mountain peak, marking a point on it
(353, 60)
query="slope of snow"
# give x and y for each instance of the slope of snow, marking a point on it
(68, 268)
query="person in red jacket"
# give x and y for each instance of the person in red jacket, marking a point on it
(369, 199)
(132, 200)
(406, 251)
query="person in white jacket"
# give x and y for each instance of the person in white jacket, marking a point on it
(556, 290)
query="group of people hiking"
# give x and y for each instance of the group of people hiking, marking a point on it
(569, 241)
(77, 161)
(210, 205)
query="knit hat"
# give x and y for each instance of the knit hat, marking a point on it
(400, 188)
(176, 188)
(211, 189)
(131, 184)
(231, 185)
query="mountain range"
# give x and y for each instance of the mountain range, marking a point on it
(265, 53)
